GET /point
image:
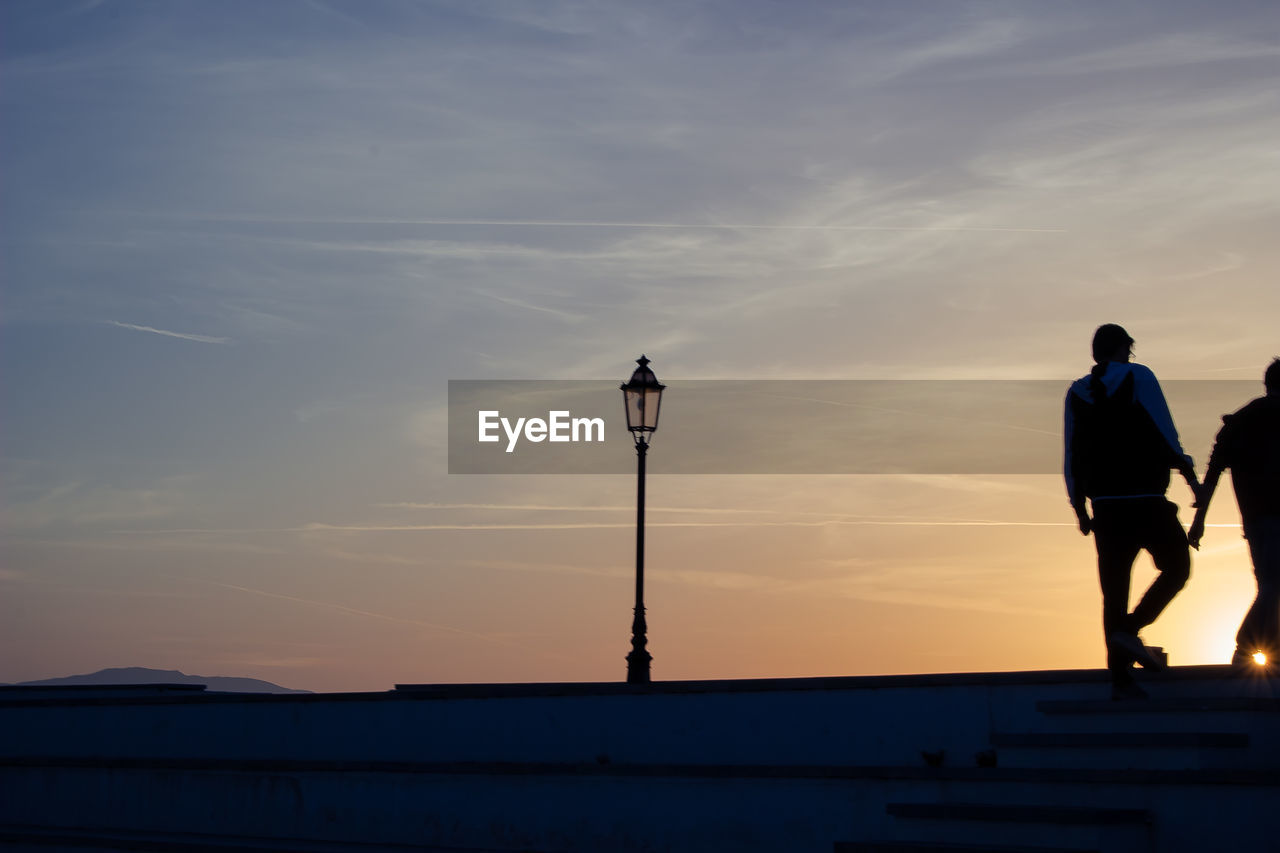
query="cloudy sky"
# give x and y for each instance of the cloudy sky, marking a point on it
(245, 246)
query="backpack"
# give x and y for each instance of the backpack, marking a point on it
(1117, 449)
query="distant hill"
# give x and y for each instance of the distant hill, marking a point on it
(142, 675)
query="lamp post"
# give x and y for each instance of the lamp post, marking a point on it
(642, 395)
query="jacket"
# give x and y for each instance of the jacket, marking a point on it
(1249, 444)
(1121, 443)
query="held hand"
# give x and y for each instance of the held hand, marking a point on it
(1082, 517)
(1197, 491)
(1196, 533)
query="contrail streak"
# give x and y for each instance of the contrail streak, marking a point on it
(575, 508)
(581, 223)
(318, 527)
(391, 528)
(204, 339)
(691, 226)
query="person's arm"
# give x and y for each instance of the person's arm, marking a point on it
(1146, 389)
(1196, 532)
(1218, 461)
(1074, 491)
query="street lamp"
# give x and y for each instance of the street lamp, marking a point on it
(642, 395)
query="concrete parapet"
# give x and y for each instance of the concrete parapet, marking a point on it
(786, 764)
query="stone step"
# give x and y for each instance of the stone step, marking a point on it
(948, 847)
(1259, 717)
(1121, 740)
(833, 803)
(986, 825)
(956, 770)
(20, 837)
(1178, 705)
(1158, 751)
(999, 813)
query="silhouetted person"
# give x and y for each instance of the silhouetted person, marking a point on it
(1120, 446)
(1249, 444)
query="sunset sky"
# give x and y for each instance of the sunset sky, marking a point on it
(245, 246)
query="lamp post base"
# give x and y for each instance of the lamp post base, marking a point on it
(638, 658)
(638, 667)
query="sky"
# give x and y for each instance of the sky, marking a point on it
(245, 246)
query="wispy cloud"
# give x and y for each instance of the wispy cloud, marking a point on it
(949, 481)
(204, 339)
(798, 519)
(940, 586)
(507, 189)
(1175, 50)
(603, 224)
(529, 306)
(83, 504)
(335, 606)
(371, 614)
(830, 522)
(570, 508)
(985, 39)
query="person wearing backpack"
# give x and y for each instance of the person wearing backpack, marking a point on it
(1120, 445)
(1249, 444)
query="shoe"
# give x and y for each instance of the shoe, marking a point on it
(1127, 690)
(1133, 647)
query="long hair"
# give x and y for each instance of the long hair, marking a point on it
(1096, 389)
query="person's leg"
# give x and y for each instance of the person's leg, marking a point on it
(1166, 541)
(1260, 630)
(1117, 549)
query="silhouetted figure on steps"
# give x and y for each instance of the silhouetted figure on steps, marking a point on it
(1249, 444)
(1120, 445)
